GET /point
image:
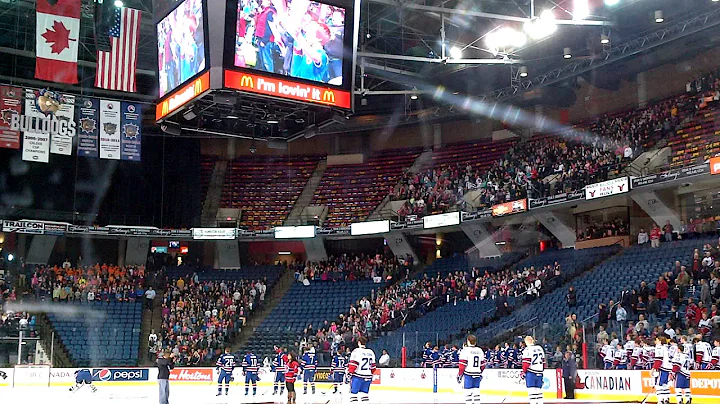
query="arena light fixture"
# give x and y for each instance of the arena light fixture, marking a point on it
(567, 53)
(541, 27)
(119, 4)
(523, 71)
(659, 16)
(615, 2)
(414, 97)
(455, 52)
(503, 38)
(581, 9)
(10, 257)
(604, 39)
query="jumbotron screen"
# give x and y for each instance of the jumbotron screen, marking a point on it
(181, 45)
(296, 38)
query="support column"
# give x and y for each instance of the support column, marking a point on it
(482, 239)
(228, 254)
(315, 249)
(642, 90)
(122, 248)
(437, 136)
(399, 245)
(559, 226)
(658, 211)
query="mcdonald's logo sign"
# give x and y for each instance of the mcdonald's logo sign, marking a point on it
(182, 96)
(328, 96)
(247, 81)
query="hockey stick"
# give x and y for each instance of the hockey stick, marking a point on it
(646, 397)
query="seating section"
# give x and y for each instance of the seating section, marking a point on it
(265, 188)
(351, 192)
(606, 281)
(271, 272)
(479, 155)
(304, 305)
(696, 140)
(99, 333)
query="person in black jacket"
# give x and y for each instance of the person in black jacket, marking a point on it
(569, 372)
(165, 364)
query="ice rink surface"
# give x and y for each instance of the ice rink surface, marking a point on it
(180, 394)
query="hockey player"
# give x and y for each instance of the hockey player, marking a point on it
(446, 356)
(83, 377)
(629, 346)
(636, 357)
(250, 371)
(308, 365)
(681, 369)
(225, 366)
(620, 359)
(661, 370)
(291, 373)
(454, 357)
(472, 365)
(533, 365)
(360, 371)
(435, 358)
(339, 364)
(715, 361)
(649, 354)
(607, 353)
(703, 354)
(279, 366)
(689, 347)
(427, 355)
(502, 357)
(511, 355)
(494, 360)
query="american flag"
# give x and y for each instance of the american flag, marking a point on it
(116, 68)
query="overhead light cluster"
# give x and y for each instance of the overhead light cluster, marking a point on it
(455, 52)
(581, 9)
(504, 38)
(541, 27)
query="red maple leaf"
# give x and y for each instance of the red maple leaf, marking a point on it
(58, 37)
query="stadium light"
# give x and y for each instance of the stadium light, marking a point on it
(567, 53)
(615, 2)
(542, 27)
(505, 37)
(523, 71)
(581, 9)
(119, 4)
(659, 16)
(455, 52)
(414, 97)
(11, 257)
(604, 39)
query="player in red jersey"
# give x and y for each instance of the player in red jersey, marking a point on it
(290, 375)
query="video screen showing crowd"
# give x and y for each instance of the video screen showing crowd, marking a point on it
(181, 45)
(296, 38)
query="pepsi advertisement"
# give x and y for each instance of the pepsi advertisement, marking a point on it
(119, 375)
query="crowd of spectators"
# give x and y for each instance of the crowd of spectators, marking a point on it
(200, 318)
(390, 308)
(351, 267)
(614, 227)
(88, 282)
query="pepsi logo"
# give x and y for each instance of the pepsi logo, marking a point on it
(104, 375)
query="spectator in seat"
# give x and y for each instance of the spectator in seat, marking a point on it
(571, 297)
(668, 230)
(621, 314)
(652, 309)
(661, 290)
(602, 335)
(642, 237)
(655, 236)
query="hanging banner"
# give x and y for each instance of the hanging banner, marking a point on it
(88, 117)
(110, 130)
(61, 141)
(10, 105)
(36, 144)
(131, 121)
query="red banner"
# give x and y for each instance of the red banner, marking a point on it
(10, 104)
(508, 208)
(287, 89)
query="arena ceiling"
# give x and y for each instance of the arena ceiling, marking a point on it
(404, 70)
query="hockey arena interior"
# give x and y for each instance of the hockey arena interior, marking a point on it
(345, 201)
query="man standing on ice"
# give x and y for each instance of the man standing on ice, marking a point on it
(360, 371)
(533, 365)
(472, 365)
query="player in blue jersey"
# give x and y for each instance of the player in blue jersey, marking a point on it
(512, 357)
(454, 357)
(250, 370)
(502, 357)
(225, 365)
(279, 366)
(339, 364)
(83, 377)
(427, 353)
(435, 358)
(308, 366)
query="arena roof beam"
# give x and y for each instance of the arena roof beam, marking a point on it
(489, 61)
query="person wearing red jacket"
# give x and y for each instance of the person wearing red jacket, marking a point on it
(655, 234)
(662, 288)
(290, 375)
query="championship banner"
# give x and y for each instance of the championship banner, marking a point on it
(88, 118)
(36, 145)
(62, 142)
(10, 104)
(131, 124)
(110, 130)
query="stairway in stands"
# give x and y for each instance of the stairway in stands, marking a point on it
(295, 217)
(211, 204)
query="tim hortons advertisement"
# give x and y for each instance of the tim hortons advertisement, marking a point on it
(287, 89)
(192, 375)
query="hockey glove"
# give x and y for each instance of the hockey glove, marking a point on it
(459, 379)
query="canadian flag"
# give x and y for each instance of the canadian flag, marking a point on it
(58, 31)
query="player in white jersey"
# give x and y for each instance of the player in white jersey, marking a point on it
(688, 346)
(629, 346)
(360, 371)
(672, 349)
(682, 363)
(608, 354)
(472, 365)
(715, 362)
(533, 365)
(662, 369)
(620, 359)
(703, 354)
(636, 359)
